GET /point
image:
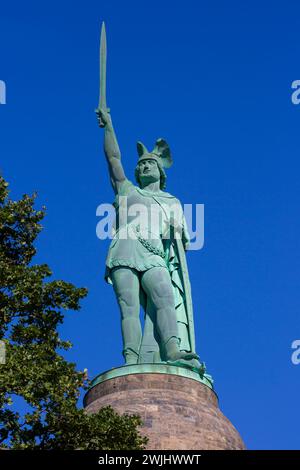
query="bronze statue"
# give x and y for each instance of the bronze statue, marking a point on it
(146, 262)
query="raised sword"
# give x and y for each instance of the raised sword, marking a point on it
(103, 57)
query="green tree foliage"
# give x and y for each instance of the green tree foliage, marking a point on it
(31, 309)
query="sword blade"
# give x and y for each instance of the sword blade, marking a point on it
(103, 56)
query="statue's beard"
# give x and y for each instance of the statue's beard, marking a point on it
(148, 178)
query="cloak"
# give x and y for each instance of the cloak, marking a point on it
(176, 247)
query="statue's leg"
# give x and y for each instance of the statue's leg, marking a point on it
(157, 284)
(126, 286)
(150, 350)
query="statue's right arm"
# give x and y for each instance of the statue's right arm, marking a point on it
(112, 151)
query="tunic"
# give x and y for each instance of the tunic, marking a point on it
(140, 228)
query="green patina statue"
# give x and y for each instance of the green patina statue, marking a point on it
(146, 262)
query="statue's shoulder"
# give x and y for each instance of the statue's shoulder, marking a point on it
(169, 198)
(166, 195)
(125, 187)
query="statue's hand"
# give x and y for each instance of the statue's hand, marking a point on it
(103, 117)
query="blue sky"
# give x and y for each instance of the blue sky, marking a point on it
(215, 81)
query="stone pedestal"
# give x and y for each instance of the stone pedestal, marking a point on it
(179, 410)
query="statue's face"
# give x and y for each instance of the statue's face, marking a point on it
(148, 172)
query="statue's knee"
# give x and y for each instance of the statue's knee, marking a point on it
(127, 298)
(161, 290)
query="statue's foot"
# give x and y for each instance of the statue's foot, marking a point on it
(173, 352)
(182, 355)
(130, 358)
(193, 364)
(130, 362)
